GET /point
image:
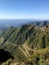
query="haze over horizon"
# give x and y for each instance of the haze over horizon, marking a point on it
(24, 9)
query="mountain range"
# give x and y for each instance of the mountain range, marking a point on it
(19, 22)
(26, 44)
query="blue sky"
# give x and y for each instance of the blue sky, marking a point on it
(24, 9)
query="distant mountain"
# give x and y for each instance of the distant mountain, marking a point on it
(14, 22)
(39, 23)
(18, 22)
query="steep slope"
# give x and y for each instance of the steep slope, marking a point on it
(25, 42)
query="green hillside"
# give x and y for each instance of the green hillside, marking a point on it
(29, 45)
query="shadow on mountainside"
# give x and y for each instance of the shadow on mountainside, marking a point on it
(5, 55)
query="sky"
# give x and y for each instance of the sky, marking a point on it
(24, 9)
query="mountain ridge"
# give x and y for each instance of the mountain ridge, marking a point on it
(26, 42)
